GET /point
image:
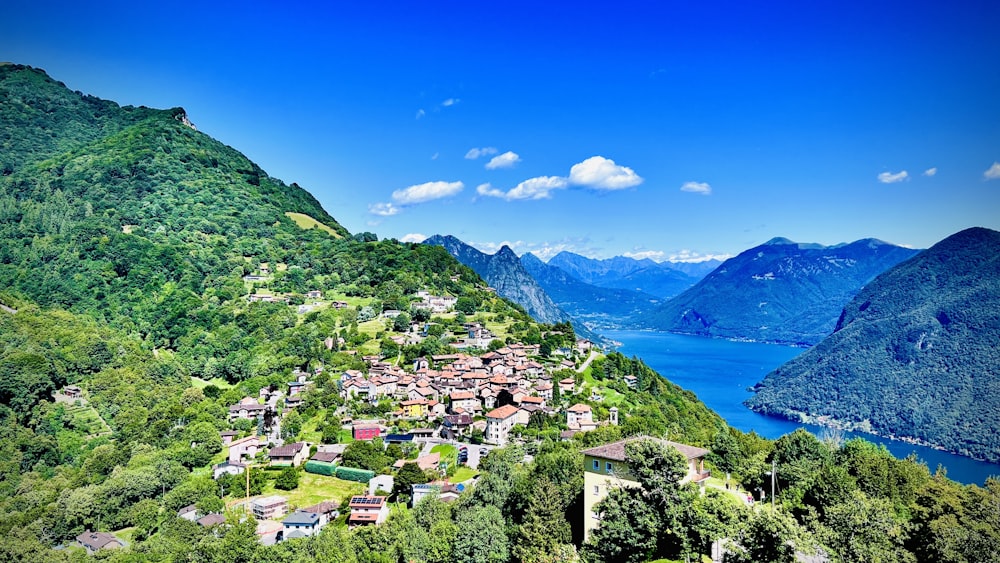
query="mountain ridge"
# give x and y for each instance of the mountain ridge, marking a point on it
(914, 354)
(781, 291)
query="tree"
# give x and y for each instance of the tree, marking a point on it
(628, 528)
(287, 480)
(768, 536)
(291, 425)
(365, 454)
(545, 527)
(465, 305)
(481, 536)
(407, 476)
(865, 529)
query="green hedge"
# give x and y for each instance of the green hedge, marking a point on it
(321, 468)
(352, 474)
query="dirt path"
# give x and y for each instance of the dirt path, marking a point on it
(7, 309)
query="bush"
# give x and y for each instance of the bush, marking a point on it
(352, 474)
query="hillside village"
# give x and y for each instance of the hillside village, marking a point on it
(482, 395)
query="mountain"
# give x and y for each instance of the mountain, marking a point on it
(504, 272)
(915, 355)
(596, 306)
(663, 280)
(780, 291)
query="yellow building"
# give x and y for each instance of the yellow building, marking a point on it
(415, 408)
(605, 468)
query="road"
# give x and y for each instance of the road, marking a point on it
(586, 363)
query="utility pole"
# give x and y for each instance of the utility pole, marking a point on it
(774, 469)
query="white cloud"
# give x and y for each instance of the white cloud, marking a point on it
(690, 256)
(420, 113)
(505, 160)
(603, 174)
(475, 153)
(489, 191)
(435, 156)
(532, 188)
(543, 250)
(654, 255)
(697, 188)
(427, 191)
(890, 178)
(413, 237)
(930, 171)
(450, 102)
(383, 209)
(993, 172)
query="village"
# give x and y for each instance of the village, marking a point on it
(448, 411)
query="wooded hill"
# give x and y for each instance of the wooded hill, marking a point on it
(780, 291)
(916, 354)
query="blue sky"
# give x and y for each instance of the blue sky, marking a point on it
(660, 129)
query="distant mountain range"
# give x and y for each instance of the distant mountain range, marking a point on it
(505, 273)
(663, 279)
(599, 307)
(916, 354)
(780, 291)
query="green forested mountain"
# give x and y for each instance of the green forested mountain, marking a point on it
(780, 291)
(916, 354)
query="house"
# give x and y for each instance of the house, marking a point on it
(457, 423)
(579, 415)
(367, 509)
(631, 381)
(73, 392)
(537, 401)
(327, 511)
(420, 491)
(268, 508)
(96, 541)
(414, 408)
(296, 387)
(397, 439)
(314, 294)
(290, 454)
(544, 391)
(499, 421)
(243, 448)
(228, 436)
(209, 520)
(189, 513)
(566, 385)
(227, 468)
(300, 524)
(605, 467)
(248, 408)
(327, 457)
(363, 431)
(425, 462)
(380, 483)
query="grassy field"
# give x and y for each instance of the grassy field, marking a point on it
(463, 473)
(198, 383)
(314, 489)
(306, 222)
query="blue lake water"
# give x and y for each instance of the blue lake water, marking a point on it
(720, 371)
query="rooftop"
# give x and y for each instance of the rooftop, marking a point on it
(615, 451)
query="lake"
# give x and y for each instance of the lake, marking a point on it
(720, 371)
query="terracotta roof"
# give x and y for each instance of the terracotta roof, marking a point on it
(97, 540)
(363, 517)
(533, 400)
(505, 411)
(460, 395)
(579, 407)
(615, 451)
